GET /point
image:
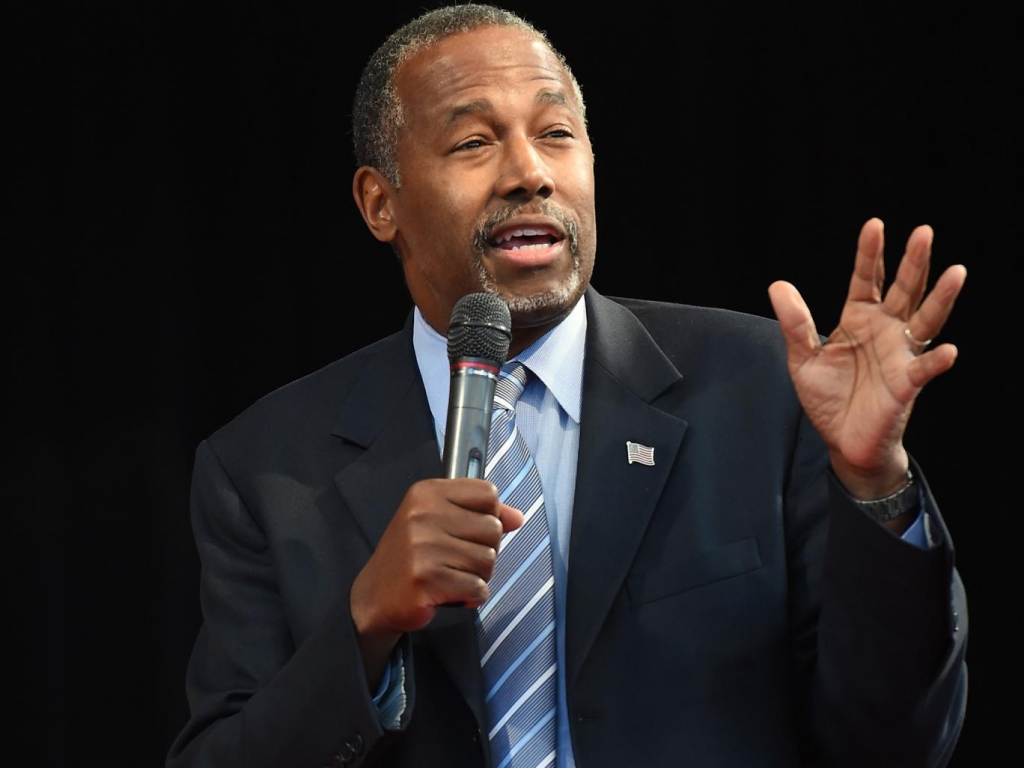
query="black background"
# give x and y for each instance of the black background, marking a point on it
(179, 238)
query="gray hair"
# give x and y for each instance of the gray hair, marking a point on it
(377, 113)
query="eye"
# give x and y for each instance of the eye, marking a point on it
(557, 133)
(474, 143)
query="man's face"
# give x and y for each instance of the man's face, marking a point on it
(497, 180)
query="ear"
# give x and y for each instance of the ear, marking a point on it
(374, 197)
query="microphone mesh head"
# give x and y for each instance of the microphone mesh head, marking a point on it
(480, 326)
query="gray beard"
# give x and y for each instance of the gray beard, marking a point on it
(555, 299)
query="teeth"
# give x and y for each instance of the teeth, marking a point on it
(520, 233)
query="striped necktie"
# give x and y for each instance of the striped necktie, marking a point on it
(516, 628)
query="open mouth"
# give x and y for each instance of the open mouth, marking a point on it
(542, 233)
(525, 238)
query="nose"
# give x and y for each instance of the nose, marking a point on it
(525, 173)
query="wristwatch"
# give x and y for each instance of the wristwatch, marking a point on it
(895, 504)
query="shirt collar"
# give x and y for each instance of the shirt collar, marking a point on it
(556, 358)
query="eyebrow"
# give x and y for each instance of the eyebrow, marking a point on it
(469, 108)
(555, 98)
(478, 106)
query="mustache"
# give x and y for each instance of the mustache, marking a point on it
(544, 208)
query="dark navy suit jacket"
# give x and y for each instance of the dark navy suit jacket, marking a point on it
(728, 606)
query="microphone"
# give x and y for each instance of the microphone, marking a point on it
(479, 334)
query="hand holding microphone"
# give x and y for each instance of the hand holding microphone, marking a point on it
(440, 546)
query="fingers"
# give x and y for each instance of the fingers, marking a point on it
(927, 322)
(511, 518)
(869, 266)
(906, 298)
(908, 287)
(868, 278)
(453, 528)
(439, 549)
(929, 365)
(466, 510)
(795, 320)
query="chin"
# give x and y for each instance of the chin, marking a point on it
(543, 307)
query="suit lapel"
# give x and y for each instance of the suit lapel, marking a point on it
(625, 372)
(388, 416)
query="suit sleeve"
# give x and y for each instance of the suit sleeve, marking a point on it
(881, 637)
(255, 698)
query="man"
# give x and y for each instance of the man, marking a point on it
(748, 568)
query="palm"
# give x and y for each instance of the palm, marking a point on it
(859, 387)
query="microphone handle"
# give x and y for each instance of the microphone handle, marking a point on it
(470, 403)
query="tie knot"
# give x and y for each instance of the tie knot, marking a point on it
(510, 386)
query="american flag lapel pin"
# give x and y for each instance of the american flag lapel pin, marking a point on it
(642, 454)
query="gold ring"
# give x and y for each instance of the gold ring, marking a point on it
(914, 340)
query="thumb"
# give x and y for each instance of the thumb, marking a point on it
(511, 518)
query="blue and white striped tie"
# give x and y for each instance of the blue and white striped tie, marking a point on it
(516, 628)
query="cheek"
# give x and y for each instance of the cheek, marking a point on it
(447, 208)
(460, 194)
(438, 223)
(585, 176)
(576, 181)
(578, 187)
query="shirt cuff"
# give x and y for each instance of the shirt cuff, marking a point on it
(391, 699)
(919, 532)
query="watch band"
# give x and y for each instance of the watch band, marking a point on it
(895, 504)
